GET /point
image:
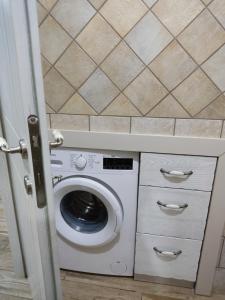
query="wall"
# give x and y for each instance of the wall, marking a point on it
(140, 66)
(114, 65)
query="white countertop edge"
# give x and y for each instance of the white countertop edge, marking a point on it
(143, 143)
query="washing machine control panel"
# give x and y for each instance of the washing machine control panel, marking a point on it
(79, 162)
(93, 162)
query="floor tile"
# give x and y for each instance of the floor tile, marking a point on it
(217, 7)
(154, 126)
(216, 110)
(97, 3)
(110, 124)
(70, 122)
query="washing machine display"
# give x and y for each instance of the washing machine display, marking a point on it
(95, 207)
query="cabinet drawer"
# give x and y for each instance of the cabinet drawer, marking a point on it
(182, 266)
(187, 222)
(199, 171)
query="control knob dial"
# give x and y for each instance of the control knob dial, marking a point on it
(80, 162)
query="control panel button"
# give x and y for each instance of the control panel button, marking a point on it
(80, 162)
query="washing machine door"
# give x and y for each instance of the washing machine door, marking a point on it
(88, 212)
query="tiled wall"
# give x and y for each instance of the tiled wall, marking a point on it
(116, 65)
(140, 66)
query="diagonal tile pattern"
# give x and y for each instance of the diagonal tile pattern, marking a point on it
(148, 38)
(173, 65)
(73, 15)
(177, 14)
(196, 92)
(123, 15)
(98, 90)
(54, 40)
(98, 38)
(145, 91)
(122, 65)
(202, 37)
(160, 58)
(75, 65)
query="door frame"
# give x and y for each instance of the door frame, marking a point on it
(213, 147)
(20, 44)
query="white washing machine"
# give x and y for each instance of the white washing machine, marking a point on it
(96, 201)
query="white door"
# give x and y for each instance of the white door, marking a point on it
(22, 113)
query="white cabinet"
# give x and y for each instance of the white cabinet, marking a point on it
(173, 203)
(167, 257)
(155, 169)
(172, 212)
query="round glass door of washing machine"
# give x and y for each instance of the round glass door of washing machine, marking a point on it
(88, 212)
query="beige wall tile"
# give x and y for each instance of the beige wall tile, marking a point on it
(207, 1)
(196, 92)
(45, 65)
(173, 65)
(97, 3)
(195, 38)
(152, 126)
(148, 38)
(177, 14)
(75, 65)
(219, 281)
(223, 136)
(122, 65)
(222, 259)
(150, 2)
(121, 106)
(57, 90)
(215, 68)
(70, 122)
(73, 15)
(98, 90)
(217, 7)
(145, 91)
(48, 4)
(169, 108)
(98, 38)
(198, 128)
(123, 15)
(110, 124)
(49, 110)
(216, 110)
(42, 12)
(77, 105)
(53, 39)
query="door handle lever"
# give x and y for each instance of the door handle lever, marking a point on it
(58, 139)
(22, 148)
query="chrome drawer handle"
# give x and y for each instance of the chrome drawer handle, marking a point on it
(176, 173)
(171, 254)
(172, 206)
(22, 148)
(58, 139)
